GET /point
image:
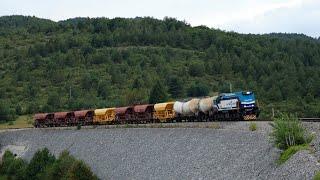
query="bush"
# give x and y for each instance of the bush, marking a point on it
(45, 166)
(39, 162)
(68, 167)
(80, 171)
(7, 159)
(78, 126)
(12, 167)
(253, 126)
(288, 131)
(285, 155)
(17, 168)
(317, 176)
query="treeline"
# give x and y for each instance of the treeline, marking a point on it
(98, 62)
(44, 165)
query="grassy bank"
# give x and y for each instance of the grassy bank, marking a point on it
(24, 121)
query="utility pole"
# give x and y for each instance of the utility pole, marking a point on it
(272, 112)
(230, 87)
(70, 93)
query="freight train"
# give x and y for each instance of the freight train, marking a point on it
(227, 106)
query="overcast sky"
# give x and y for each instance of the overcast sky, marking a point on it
(244, 16)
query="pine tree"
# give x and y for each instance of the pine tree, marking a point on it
(158, 93)
(176, 88)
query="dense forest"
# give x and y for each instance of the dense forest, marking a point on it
(98, 62)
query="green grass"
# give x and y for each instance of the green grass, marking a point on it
(24, 121)
(285, 155)
(317, 176)
(253, 126)
(288, 131)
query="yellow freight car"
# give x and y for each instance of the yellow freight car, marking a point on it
(164, 111)
(104, 116)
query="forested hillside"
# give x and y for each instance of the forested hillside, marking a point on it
(98, 62)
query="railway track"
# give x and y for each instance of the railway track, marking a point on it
(186, 124)
(301, 119)
(310, 119)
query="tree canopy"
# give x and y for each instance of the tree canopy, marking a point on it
(99, 62)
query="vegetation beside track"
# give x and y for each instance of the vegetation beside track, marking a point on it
(289, 135)
(48, 66)
(24, 121)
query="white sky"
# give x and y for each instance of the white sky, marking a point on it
(244, 16)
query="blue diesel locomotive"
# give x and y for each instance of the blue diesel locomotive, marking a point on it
(237, 105)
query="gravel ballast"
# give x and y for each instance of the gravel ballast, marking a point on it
(164, 153)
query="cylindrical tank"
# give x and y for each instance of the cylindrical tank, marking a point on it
(177, 106)
(191, 107)
(186, 109)
(206, 104)
(194, 105)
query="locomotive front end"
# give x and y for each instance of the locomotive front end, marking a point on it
(248, 105)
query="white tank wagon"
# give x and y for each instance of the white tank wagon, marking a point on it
(206, 104)
(191, 107)
(194, 105)
(177, 106)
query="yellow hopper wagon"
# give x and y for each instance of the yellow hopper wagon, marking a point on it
(104, 116)
(164, 111)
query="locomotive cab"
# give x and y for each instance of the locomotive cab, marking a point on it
(248, 105)
(243, 102)
(226, 102)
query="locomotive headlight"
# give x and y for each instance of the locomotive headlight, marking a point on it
(249, 105)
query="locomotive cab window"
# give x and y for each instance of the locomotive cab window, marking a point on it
(247, 93)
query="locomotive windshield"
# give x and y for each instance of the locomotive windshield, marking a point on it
(247, 93)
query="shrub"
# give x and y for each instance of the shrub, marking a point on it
(285, 155)
(253, 126)
(17, 168)
(45, 166)
(7, 159)
(39, 162)
(60, 167)
(78, 126)
(80, 171)
(288, 131)
(317, 176)
(13, 167)
(10, 123)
